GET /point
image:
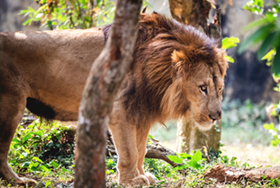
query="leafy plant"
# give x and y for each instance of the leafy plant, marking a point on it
(65, 14)
(39, 149)
(193, 160)
(72, 14)
(267, 33)
(273, 129)
(228, 43)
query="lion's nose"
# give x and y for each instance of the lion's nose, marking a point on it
(216, 116)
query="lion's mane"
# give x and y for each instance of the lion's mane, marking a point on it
(149, 92)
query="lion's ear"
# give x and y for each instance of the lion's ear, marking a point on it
(222, 62)
(178, 64)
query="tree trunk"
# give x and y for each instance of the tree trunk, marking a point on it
(105, 77)
(195, 13)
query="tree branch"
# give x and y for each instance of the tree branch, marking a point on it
(154, 151)
(228, 174)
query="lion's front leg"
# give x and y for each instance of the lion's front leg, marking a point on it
(142, 137)
(124, 137)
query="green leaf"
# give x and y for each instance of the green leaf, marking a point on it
(269, 55)
(54, 164)
(276, 42)
(257, 36)
(229, 59)
(266, 45)
(276, 65)
(254, 24)
(175, 159)
(37, 159)
(110, 161)
(150, 136)
(23, 12)
(24, 139)
(27, 22)
(274, 142)
(16, 140)
(270, 16)
(268, 126)
(47, 184)
(38, 133)
(25, 164)
(49, 23)
(184, 155)
(41, 8)
(259, 3)
(229, 42)
(45, 168)
(197, 156)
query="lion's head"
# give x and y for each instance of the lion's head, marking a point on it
(185, 66)
(198, 84)
(201, 82)
(177, 71)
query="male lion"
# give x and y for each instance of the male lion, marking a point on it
(176, 71)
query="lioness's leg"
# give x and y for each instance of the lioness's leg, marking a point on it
(142, 136)
(12, 105)
(124, 137)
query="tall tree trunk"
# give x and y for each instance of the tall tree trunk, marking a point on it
(195, 13)
(105, 77)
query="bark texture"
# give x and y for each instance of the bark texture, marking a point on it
(106, 74)
(195, 13)
(228, 174)
(190, 12)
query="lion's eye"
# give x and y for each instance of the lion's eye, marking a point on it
(204, 89)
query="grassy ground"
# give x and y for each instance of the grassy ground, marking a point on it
(45, 153)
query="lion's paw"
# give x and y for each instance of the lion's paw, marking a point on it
(140, 180)
(151, 178)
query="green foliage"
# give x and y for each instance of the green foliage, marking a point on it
(267, 33)
(159, 168)
(274, 132)
(228, 43)
(72, 14)
(42, 150)
(193, 160)
(273, 129)
(65, 14)
(255, 6)
(111, 163)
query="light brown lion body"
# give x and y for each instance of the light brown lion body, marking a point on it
(177, 71)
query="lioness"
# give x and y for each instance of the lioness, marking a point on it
(177, 71)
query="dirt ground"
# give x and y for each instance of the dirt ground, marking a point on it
(256, 155)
